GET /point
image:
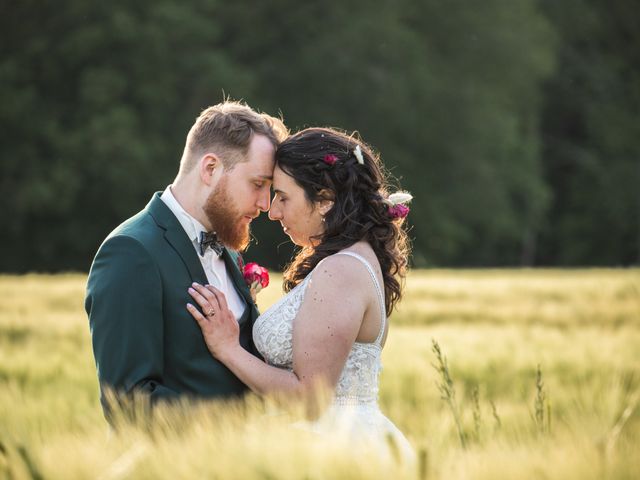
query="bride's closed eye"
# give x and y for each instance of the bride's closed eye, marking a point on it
(279, 197)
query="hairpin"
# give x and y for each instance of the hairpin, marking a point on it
(357, 152)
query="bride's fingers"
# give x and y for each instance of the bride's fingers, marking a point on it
(222, 301)
(204, 295)
(204, 304)
(195, 313)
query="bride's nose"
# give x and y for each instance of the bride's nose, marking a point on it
(274, 212)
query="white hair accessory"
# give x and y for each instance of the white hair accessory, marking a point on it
(358, 154)
(399, 198)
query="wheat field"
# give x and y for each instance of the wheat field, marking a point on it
(538, 377)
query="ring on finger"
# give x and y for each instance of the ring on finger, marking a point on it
(210, 313)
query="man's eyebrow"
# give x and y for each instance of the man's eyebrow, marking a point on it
(265, 177)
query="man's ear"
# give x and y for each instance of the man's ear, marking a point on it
(208, 165)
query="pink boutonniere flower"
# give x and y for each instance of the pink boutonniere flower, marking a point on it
(257, 278)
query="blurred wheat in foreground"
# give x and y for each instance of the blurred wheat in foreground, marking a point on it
(491, 374)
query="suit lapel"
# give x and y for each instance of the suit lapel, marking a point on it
(177, 238)
(181, 244)
(236, 276)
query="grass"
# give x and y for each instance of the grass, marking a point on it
(544, 365)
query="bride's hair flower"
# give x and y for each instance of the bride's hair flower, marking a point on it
(257, 278)
(330, 159)
(357, 152)
(396, 202)
(399, 211)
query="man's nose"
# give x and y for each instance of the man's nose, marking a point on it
(264, 201)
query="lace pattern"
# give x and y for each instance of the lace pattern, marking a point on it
(273, 337)
(354, 412)
(273, 330)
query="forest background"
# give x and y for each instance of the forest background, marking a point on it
(514, 123)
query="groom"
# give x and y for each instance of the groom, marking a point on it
(144, 339)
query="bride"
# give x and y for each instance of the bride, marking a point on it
(330, 328)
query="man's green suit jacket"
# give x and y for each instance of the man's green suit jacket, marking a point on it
(144, 339)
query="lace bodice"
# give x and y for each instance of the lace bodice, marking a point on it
(354, 412)
(273, 336)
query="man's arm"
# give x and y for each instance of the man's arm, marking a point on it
(124, 304)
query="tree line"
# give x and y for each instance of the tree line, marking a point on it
(514, 123)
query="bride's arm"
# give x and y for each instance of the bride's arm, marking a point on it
(329, 319)
(324, 331)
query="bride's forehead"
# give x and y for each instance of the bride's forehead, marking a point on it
(278, 172)
(282, 179)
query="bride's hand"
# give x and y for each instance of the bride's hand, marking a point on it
(219, 326)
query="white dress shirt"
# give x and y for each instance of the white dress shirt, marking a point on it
(214, 267)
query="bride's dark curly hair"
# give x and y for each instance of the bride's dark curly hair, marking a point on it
(358, 212)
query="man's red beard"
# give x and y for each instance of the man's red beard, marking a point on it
(226, 221)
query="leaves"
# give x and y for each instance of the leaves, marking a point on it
(514, 122)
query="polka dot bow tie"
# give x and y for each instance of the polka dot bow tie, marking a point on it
(210, 240)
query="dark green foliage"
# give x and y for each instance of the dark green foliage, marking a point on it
(590, 132)
(514, 124)
(96, 101)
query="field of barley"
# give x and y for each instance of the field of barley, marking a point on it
(515, 374)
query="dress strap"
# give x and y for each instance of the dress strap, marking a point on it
(383, 315)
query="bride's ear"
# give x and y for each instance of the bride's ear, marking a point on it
(326, 203)
(325, 206)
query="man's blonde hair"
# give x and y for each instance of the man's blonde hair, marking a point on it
(226, 129)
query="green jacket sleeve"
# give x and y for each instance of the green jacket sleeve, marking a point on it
(124, 304)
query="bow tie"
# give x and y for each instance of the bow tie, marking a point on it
(210, 240)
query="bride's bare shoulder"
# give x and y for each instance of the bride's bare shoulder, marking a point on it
(346, 270)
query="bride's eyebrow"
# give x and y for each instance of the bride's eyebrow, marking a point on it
(275, 190)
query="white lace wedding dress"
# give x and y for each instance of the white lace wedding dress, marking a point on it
(354, 411)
